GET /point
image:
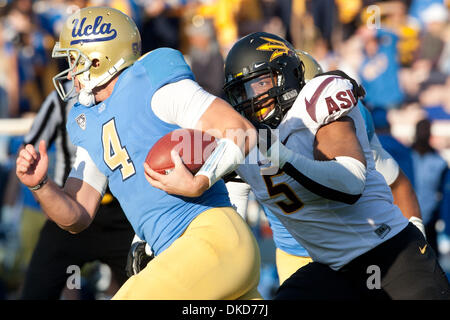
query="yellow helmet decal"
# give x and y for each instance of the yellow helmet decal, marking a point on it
(278, 47)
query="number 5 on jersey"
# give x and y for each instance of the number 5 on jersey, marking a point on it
(292, 203)
(114, 154)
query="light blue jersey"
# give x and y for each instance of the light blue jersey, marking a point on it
(119, 132)
(281, 236)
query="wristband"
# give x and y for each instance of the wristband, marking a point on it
(40, 184)
(419, 224)
(225, 158)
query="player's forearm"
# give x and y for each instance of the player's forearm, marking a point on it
(240, 131)
(61, 208)
(338, 170)
(341, 180)
(238, 193)
(222, 121)
(249, 136)
(237, 137)
(405, 197)
(384, 162)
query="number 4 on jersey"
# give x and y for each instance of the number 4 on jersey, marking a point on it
(114, 154)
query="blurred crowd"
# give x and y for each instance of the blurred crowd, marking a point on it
(398, 50)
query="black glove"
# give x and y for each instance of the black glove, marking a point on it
(358, 90)
(137, 258)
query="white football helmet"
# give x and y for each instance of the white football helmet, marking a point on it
(98, 42)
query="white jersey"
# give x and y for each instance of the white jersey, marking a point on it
(333, 232)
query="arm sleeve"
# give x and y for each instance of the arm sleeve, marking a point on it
(342, 179)
(85, 169)
(238, 193)
(181, 103)
(384, 163)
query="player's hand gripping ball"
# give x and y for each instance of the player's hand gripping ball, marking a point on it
(193, 146)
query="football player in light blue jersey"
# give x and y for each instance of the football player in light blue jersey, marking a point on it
(126, 104)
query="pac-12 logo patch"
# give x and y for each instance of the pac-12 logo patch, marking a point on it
(81, 121)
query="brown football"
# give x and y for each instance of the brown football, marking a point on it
(193, 146)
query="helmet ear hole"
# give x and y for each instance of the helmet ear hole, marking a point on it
(95, 63)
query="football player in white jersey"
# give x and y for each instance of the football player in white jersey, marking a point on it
(318, 176)
(290, 255)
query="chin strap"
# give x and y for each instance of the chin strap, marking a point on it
(86, 97)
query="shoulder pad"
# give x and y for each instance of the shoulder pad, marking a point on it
(165, 65)
(327, 98)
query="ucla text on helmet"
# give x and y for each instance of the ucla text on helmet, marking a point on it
(98, 28)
